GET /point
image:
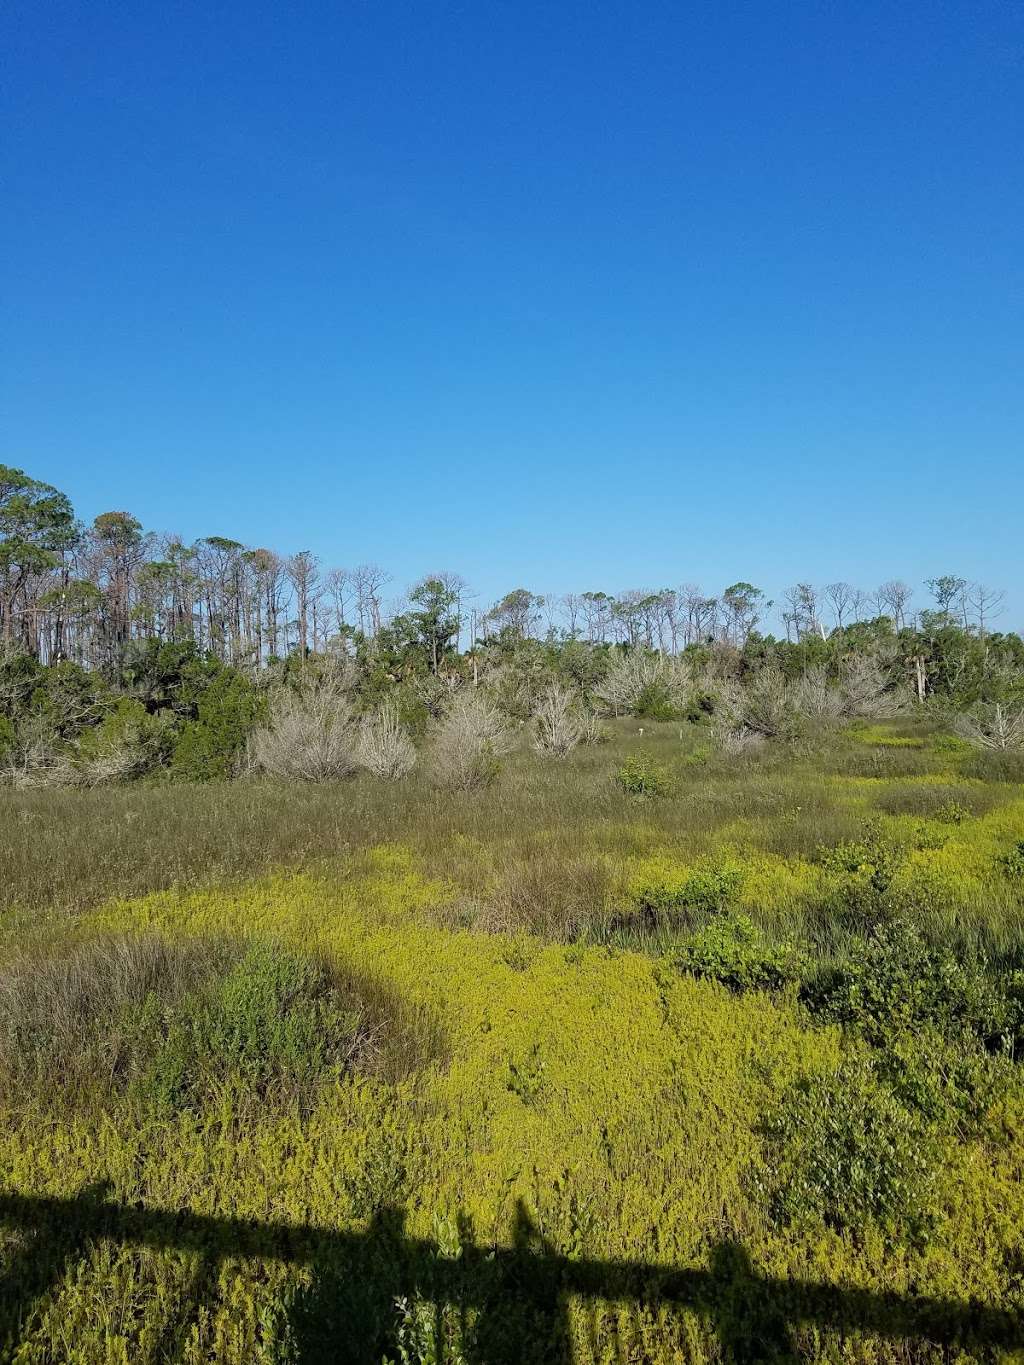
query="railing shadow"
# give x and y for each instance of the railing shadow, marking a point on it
(516, 1298)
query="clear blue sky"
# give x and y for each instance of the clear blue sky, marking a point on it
(568, 295)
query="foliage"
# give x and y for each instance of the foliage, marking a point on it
(896, 982)
(1012, 863)
(731, 949)
(841, 1147)
(641, 776)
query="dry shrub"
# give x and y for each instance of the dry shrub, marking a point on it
(470, 743)
(557, 723)
(628, 676)
(550, 895)
(739, 740)
(385, 748)
(867, 691)
(815, 700)
(312, 736)
(592, 731)
(992, 726)
(767, 708)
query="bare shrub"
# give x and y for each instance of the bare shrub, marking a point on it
(992, 726)
(728, 701)
(591, 729)
(470, 743)
(557, 724)
(739, 740)
(815, 700)
(767, 707)
(311, 736)
(385, 748)
(867, 690)
(548, 894)
(32, 763)
(627, 678)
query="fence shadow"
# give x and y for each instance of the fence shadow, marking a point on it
(517, 1297)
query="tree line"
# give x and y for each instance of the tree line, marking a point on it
(88, 593)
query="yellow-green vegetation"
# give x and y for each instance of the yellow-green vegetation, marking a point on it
(555, 1070)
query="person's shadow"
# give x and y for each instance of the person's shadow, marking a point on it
(746, 1311)
(377, 1294)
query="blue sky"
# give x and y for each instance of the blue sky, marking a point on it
(556, 294)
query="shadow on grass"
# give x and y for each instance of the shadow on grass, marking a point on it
(501, 1304)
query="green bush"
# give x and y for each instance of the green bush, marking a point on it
(862, 872)
(226, 714)
(1012, 863)
(128, 730)
(654, 703)
(175, 1025)
(732, 950)
(670, 896)
(950, 744)
(951, 1082)
(843, 1148)
(641, 776)
(273, 1029)
(896, 982)
(952, 813)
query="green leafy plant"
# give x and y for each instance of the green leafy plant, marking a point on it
(732, 950)
(1012, 863)
(841, 1147)
(895, 982)
(641, 776)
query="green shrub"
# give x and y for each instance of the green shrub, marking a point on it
(666, 894)
(895, 981)
(953, 813)
(274, 1028)
(950, 744)
(951, 1082)
(732, 950)
(174, 1025)
(1012, 863)
(211, 745)
(641, 776)
(862, 873)
(128, 741)
(655, 703)
(843, 1148)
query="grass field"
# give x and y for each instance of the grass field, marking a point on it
(532, 1073)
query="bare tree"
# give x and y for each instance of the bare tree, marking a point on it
(987, 603)
(841, 597)
(368, 580)
(803, 612)
(572, 608)
(992, 726)
(893, 597)
(304, 575)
